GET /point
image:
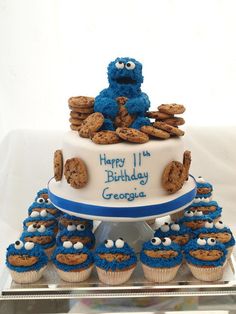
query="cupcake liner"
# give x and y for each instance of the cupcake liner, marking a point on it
(27, 276)
(75, 276)
(160, 274)
(114, 277)
(49, 251)
(176, 216)
(207, 273)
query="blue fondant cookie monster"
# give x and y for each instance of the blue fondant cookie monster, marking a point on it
(178, 233)
(125, 79)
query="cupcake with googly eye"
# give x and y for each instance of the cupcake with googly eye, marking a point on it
(26, 261)
(66, 220)
(39, 234)
(77, 233)
(218, 231)
(178, 233)
(194, 219)
(41, 218)
(206, 258)
(115, 262)
(207, 207)
(204, 189)
(73, 262)
(160, 259)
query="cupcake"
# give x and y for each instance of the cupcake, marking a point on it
(26, 261)
(41, 218)
(178, 233)
(160, 259)
(42, 203)
(218, 231)
(79, 233)
(194, 219)
(41, 235)
(206, 258)
(207, 207)
(115, 262)
(204, 189)
(66, 219)
(73, 262)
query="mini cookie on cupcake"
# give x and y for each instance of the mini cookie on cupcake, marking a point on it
(41, 218)
(218, 231)
(66, 220)
(160, 259)
(26, 261)
(115, 262)
(210, 208)
(178, 233)
(206, 258)
(204, 189)
(80, 233)
(41, 235)
(194, 219)
(73, 262)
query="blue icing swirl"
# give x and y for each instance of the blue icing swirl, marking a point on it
(42, 191)
(212, 215)
(183, 230)
(204, 185)
(77, 233)
(89, 223)
(161, 262)
(61, 250)
(194, 218)
(115, 265)
(37, 251)
(193, 246)
(48, 232)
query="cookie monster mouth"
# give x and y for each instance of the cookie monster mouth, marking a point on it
(22, 260)
(203, 255)
(161, 253)
(125, 80)
(119, 257)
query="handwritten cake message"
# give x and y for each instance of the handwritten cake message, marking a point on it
(128, 171)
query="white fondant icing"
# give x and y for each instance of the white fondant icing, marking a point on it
(211, 241)
(166, 241)
(40, 200)
(200, 180)
(109, 243)
(175, 227)
(71, 227)
(201, 241)
(156, 241)
(18, 245)
(219, 225)
(42, 228)
(119, 243)
(29, 245)
(198, 213)
(189, 213)
(78, 245)
(209, 224)
(44, 213)
(31, 228)
(34, 214)
(165, 228)
(67, 244)
(80, 227)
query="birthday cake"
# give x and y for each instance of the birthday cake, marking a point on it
(121, 161)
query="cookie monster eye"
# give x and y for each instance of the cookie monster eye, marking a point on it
(165, 227)
(198, 213)
(219, 225)
(188, 213)
(78, 245)
(119, 243)
(34, 214)
(109, 243)
(175, 227)
(80, 227)
(47, 201)
(200, 180)
(201, 241)
(67, 244)
(71, 227)
(29, 245)
(130, 65)
(119, 65)
(32, 228)
(156, 241)
(43, 213)
(40, 200)
(197, 200)
(18, 245)
(211, 241)
(209, 224)
(166, 241)
(42, 228)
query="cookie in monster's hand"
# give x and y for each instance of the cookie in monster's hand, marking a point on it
(125, 79)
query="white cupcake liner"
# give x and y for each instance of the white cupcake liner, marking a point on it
(49, 251)
(176, 216)
(207, 273)
(114, 277)
(75, 276)
(27, 276)
(159, 274)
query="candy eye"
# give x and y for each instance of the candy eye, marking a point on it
(32, 228)
(175, 227)
(18, 245)
(207, 200)
(43, 213)
(201, 241)
(71, 227)
(78, 245)
(34, 214)
(209, 224)
(188, 213)
(119, 65)
(200, 180)
(42, 228)
(40, 200)
(109, 243)
(130, 65)
(67, 244)
(198, 213)
(219, 225)
(29, 245)
(156, 241)
(165, 227)
(119, 243)
(47, 201)
(211, 241)
(197, 200)
(80, 227)
(166, 241)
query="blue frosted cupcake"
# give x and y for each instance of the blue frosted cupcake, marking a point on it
(115, 262)
(41, 235)
(160, 259)
(26, 261)
(210, 208)
(66, 220)
(206, 258)
(178, 233)
(79, 233)
(41, 218)
(218, 231)
(194, 219)
(41, 202)
(73, 262)
(204, 189)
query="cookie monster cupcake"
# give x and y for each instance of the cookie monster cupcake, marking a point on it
(218, 231)
(66, 219)
(160, 259)
(26, 261)
(194, 219)
(204, 189)
(178, 233)
(41, 218)
(115, 262)
(41, 235)
(207, 207)
(73, 262)
(206, 258)
(80, 233)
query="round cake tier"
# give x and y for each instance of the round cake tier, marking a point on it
(124, 180)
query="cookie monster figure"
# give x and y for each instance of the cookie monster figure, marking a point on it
(125, 79)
